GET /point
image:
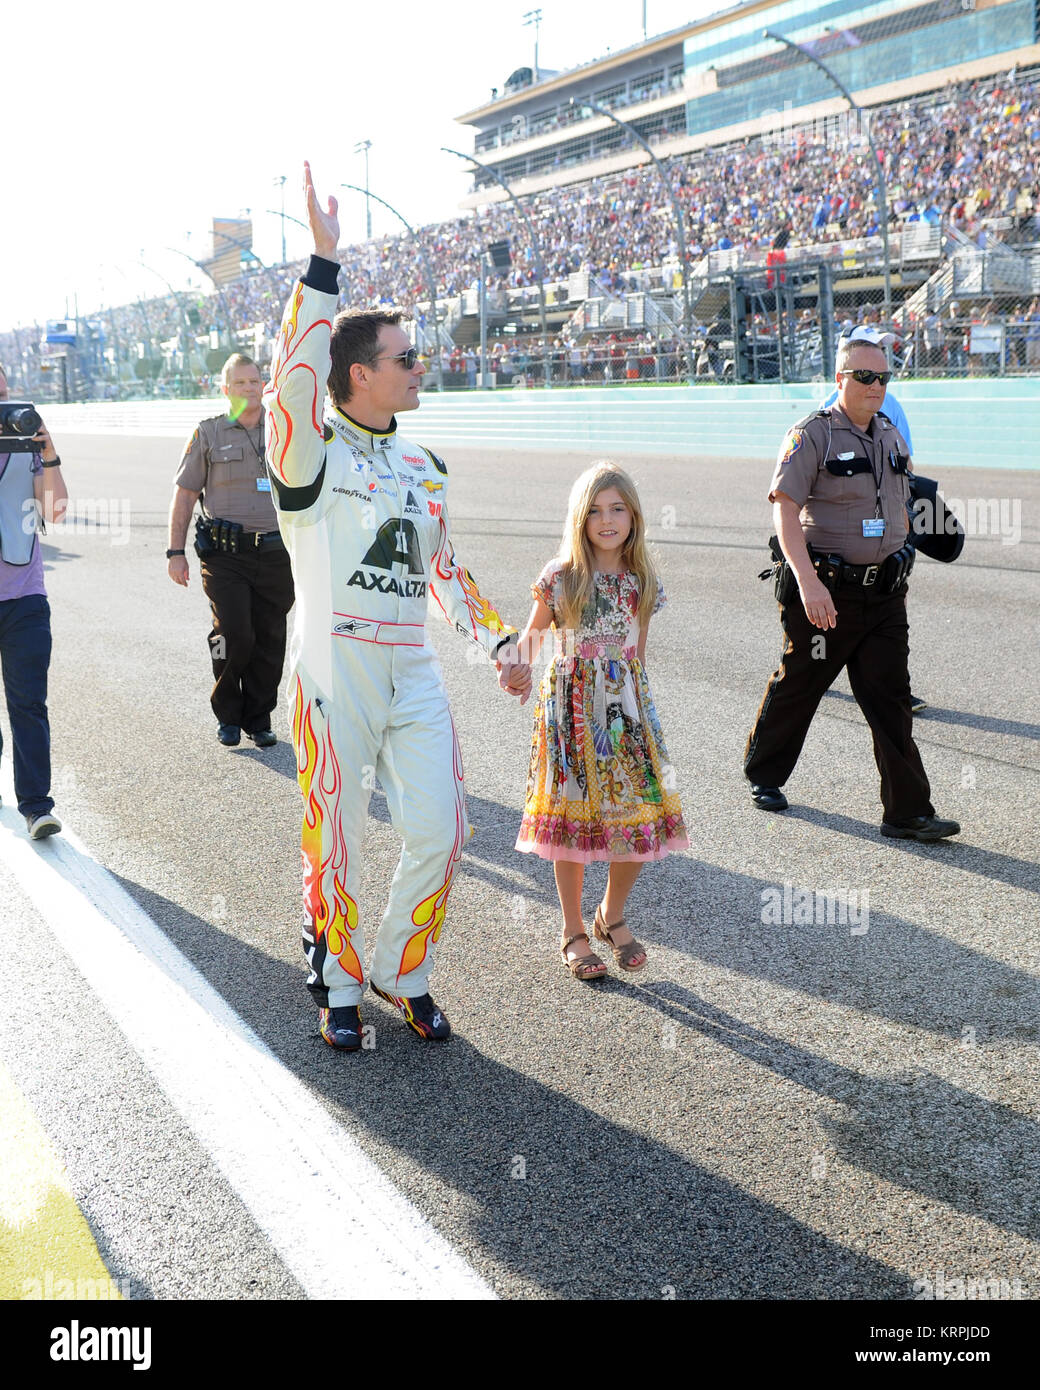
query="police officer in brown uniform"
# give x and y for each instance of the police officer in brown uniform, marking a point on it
(839, 495)
(244, 563)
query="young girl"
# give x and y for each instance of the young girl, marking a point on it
(599, 781)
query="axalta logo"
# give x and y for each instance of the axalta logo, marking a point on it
(387, 584)
(411, 505)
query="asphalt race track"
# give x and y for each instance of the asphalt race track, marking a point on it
(792, 1110)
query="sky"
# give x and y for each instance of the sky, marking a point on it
(130, 126)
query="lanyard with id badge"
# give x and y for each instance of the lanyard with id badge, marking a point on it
(263, 482)
(874, 526)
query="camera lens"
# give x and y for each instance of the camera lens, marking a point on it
(19, 419)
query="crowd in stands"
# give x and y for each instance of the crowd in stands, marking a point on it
(961, 156)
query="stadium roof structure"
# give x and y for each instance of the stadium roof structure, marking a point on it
(717, 80)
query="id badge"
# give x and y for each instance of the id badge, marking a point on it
(263, 484)
(874, 526)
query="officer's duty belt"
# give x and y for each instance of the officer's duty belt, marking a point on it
(884, 578)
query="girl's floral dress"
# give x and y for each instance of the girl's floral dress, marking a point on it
(600, 784)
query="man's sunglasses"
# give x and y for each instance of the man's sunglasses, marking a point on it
(407, 359)
(866, 378)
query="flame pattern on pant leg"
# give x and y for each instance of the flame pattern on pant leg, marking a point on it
(429, 915)
(333, 921)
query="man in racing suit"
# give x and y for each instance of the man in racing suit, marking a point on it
(364, 518)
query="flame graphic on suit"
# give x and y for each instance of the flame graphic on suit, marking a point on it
(331, 912)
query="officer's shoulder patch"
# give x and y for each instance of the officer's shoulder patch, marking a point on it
(793, 440)
(886, 419)
(330, 433)
(438, 463)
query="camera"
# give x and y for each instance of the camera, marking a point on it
(19, 421)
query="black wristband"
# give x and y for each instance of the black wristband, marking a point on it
(171, 553)
(54, 463)
(322, 274)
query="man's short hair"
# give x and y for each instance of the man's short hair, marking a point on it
(846, 348)
(355, 338)
(237, 359)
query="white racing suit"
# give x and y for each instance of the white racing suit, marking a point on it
(365, 521)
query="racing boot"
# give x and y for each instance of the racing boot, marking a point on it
(421, 1014)
(341, 1027)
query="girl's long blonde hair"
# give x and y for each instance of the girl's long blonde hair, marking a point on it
(576, 553)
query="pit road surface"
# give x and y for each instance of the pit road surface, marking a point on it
(768, 1111)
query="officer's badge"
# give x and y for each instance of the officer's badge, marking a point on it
(792, 443)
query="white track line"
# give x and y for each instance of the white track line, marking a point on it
(339, 1225)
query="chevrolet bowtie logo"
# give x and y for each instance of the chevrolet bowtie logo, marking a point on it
(430, 486)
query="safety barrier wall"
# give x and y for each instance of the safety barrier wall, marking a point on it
(986, 422)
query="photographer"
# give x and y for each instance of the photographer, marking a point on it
(30, 485)
(243, 560)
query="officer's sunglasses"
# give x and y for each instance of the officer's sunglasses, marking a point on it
(866, 378)
(407, 359)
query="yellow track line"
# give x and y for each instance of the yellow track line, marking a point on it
(47, 1250)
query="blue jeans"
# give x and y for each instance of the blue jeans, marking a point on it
(25, 655)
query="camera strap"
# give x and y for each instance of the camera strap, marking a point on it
(18, 513)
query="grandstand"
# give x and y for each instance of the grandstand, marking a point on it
(779, 195)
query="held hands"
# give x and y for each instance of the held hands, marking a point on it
(324, 225)
(818, 603)
(514, 676)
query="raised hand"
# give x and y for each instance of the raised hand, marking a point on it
(324, 225)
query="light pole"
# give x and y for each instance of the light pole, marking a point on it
(279, 182)
(680, 221)
(534, 244)
(534, 17)
(882, 190)
(430, 282)
(363, 147)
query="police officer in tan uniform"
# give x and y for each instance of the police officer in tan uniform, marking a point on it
(245, 566)
(839, 495)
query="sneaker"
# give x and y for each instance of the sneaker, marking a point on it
(421, 1014)
(42, 825)
(916, 703)
(341, 1027)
